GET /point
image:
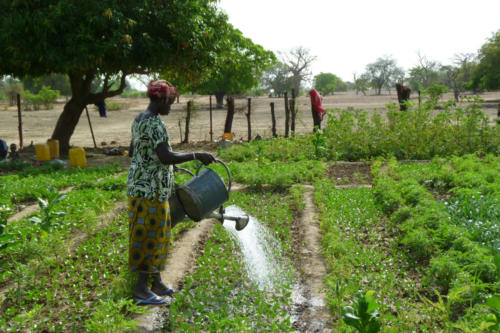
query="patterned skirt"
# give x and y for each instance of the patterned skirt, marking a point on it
(149, 234)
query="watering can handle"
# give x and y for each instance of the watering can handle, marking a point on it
(227, 170)
(183, 169)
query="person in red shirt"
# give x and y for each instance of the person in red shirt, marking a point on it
(317, 110)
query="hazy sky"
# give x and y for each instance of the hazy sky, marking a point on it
(347, 35)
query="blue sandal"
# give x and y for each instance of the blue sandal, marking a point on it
(152, 300)
(167, 292)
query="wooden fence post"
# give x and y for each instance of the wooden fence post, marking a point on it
(20, 121)
(230, 114)
(273, 120)
(293, 111)
(498, 115)
(90, 125)
(248, 120)
(188, 120)
(211, 129)
(287, 116)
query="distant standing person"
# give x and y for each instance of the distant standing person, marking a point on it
(3, 149)
(317, 110)
(101, 105)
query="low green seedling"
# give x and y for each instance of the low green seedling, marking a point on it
(494, 304)
(364, 316)
(46, 218)
(6, 241)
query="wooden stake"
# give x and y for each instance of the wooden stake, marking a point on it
(211, 129)
(90, 125)
(273, 119)
(293, 112)
(287, 116)
(20, 121)
(188, 120)
(248, 120)
(498, 115)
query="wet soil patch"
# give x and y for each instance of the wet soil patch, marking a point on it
(309, 309)
(350, 173)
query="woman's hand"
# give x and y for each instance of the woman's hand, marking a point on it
(204, 158)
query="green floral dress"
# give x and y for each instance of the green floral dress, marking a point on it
(149, 185)
(148, 177)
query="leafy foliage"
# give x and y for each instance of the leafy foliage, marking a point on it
(487, 72)
(88, 40)
(46, 97)
(384, 72)
(363, 316)
(238, 67)
(328, 83)
(452, 241)
(46, 219)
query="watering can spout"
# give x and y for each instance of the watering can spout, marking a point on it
(241, 221)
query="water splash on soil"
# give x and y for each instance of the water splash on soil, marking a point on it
(261, 252)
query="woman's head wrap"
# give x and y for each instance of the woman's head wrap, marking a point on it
(162, 88)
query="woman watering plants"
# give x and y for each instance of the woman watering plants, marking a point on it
(149, 186)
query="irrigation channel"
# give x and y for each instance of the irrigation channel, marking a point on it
(271, 271)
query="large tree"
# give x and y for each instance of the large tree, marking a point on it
(328, 83)
(298, 62)
(424, 74)
(277, 78)
(87, 39)
(237, 69)
(487, 73)
(384, 72)
(458, 76)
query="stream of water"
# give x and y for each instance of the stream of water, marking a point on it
(268, 269)
(261, 251)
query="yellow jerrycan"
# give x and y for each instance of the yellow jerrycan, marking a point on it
(77, 158)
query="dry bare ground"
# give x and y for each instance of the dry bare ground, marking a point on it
(115, 129)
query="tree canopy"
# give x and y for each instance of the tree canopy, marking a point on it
(487, 72)
(298, 62)
(384, 72)
(277, 79)
(238, 67)
(86, 39)
(328, 83)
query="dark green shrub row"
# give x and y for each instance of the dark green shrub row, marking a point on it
(453, 238)
(353, 135)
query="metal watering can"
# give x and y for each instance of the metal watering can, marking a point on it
(201, 196)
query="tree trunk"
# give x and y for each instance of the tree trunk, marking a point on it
(273, 120)
(248, 120)
(230, 114)
(188, 120)
(66, 123)
(219, 100)
(80, 97)
(287, 116)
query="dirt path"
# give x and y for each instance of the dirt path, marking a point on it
(180, 263)
(311, 312)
